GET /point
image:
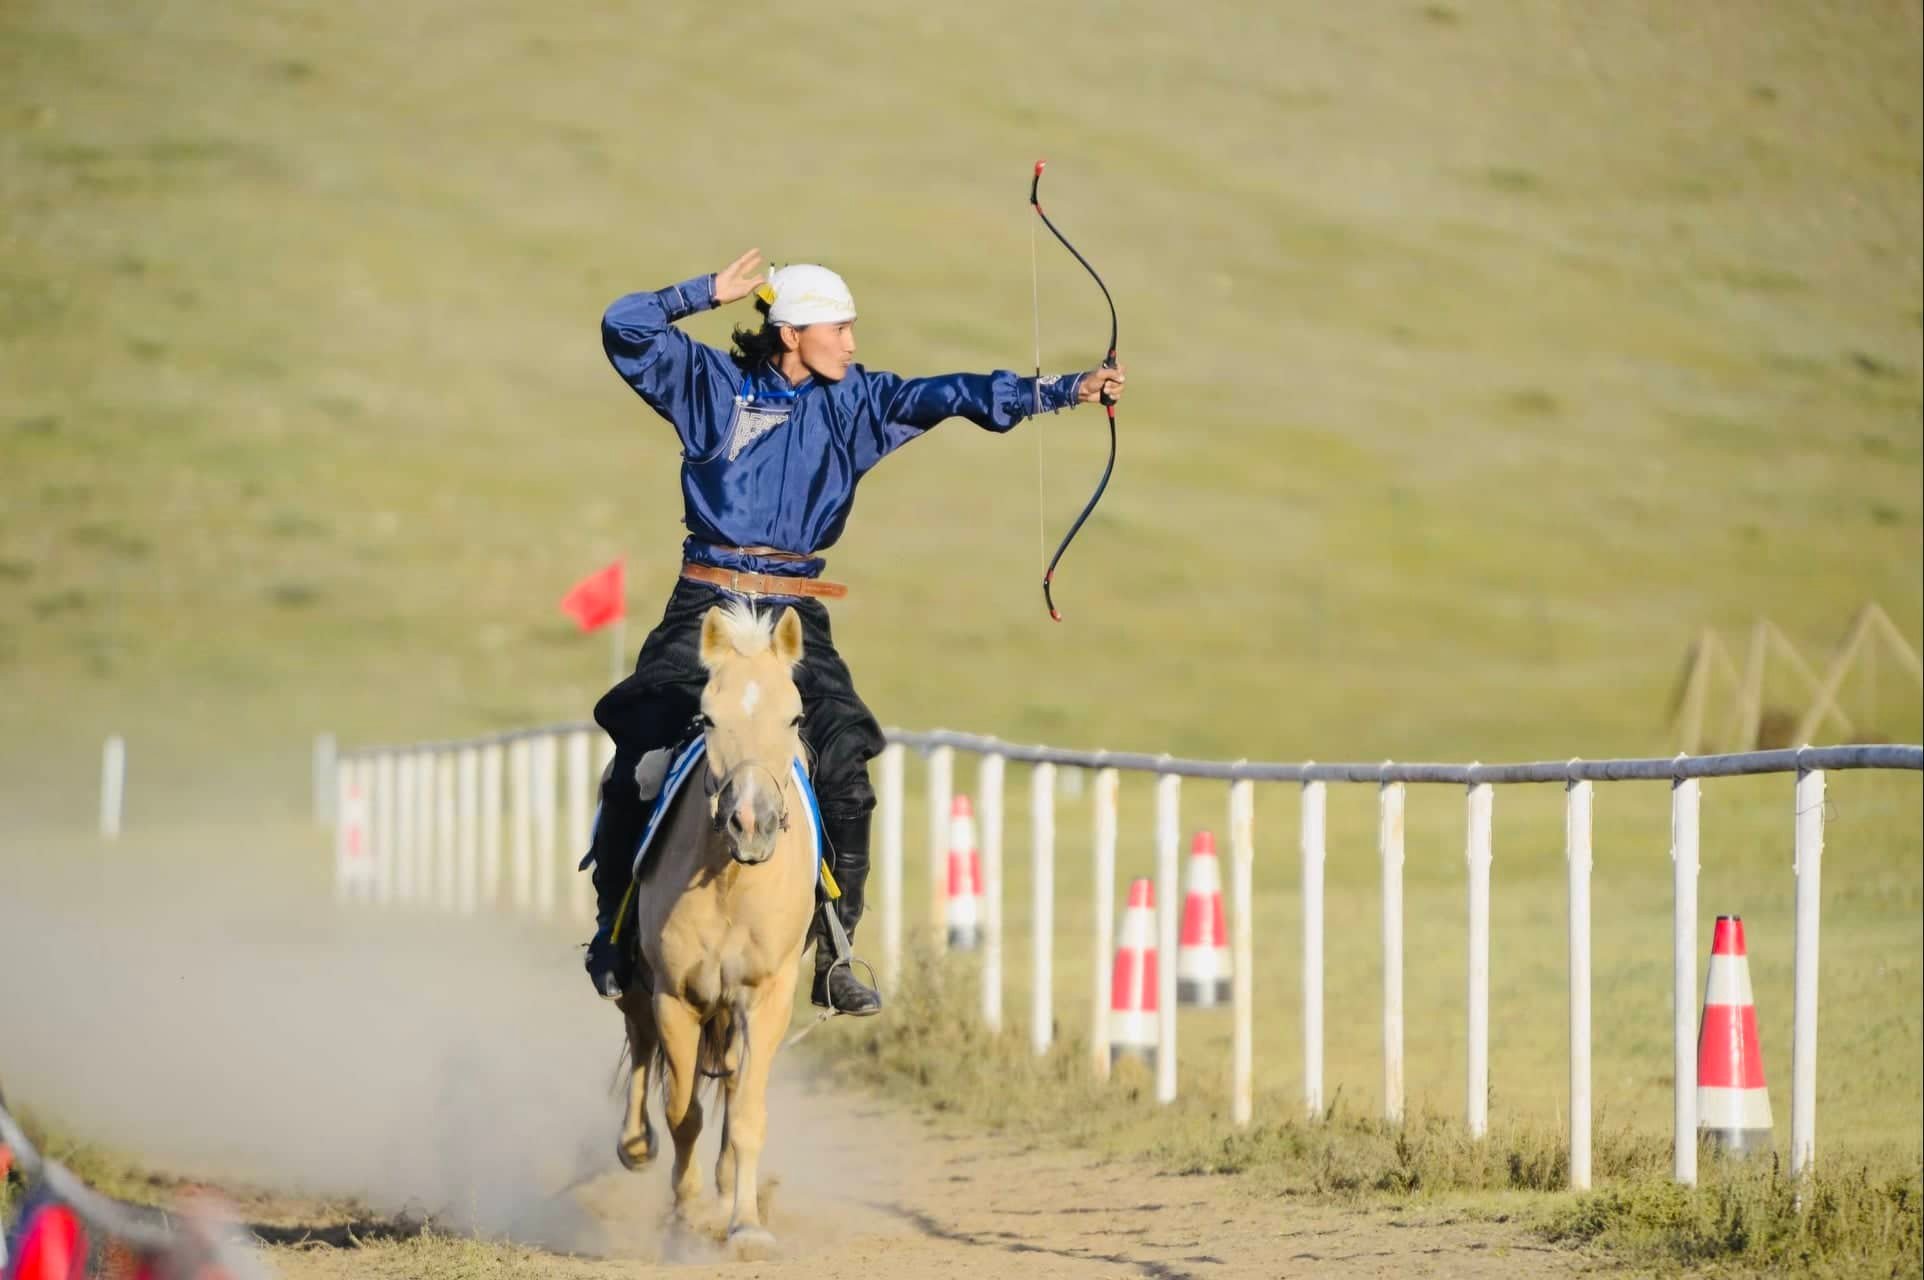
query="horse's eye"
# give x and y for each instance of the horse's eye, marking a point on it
(707, 721)
(796, 723)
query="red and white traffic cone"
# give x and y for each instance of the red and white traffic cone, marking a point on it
(1733, 1106)
(53, 1245)
(965, 878)
(350, 836)
(1134, 1024)
(1202, 959)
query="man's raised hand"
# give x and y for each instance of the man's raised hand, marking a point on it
(738, 279)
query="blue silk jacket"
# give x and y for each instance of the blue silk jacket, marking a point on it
(766, 464)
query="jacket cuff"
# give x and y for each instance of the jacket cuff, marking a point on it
(688, 297)
(1058, 391)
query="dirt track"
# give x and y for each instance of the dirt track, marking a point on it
(459, 1070)
(908, 1200)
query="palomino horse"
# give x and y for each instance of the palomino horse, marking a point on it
(722, 915)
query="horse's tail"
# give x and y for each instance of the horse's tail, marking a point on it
(711, 1052)
(624, 1064)
(718, 1035)
(711, 1058)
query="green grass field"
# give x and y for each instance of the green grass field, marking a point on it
(1478, 358)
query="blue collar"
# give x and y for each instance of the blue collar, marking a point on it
(767, 383)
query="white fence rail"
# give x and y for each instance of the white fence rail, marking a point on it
(399, 827)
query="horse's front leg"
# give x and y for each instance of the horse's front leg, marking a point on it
(636, 1146)
(732, 1065)
(679, 1028)
(768, 1017)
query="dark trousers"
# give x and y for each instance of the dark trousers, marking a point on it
(656, 708)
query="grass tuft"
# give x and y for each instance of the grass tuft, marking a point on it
(1852, 1221)
(57, 603)
(294, 595)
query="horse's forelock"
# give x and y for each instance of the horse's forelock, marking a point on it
(747, 632)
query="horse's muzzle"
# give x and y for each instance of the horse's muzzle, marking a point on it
(750, 848)
(750, 817)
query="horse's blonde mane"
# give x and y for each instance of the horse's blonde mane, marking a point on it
(747, 632)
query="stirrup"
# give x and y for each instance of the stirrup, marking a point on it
(845, 959)
(847, 964)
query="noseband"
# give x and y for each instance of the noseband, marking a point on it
(718, 820)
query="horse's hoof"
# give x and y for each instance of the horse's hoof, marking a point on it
(684, 1242)
(751, 1244)
(639, 1157)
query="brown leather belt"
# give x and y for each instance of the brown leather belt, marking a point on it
(761, 584)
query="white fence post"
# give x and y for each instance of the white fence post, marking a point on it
(427, 832)
(545, 752)
(604, 757)
(989, 784)
(891, 868)
(468, 831)
(1168, 914)
(491, 820)
(1042, 827)
(384, 827)
(113, 785)
(581, 904)
(1390, 801)
(347, 830)
(1242, 862)
(1576, 846)
(1683, 856)
(521, 822)
(1477, 1083)
(326, 752)
(1314, 823)
(364, 821)
(1108, 781)
(1803, 1046)
(941, 797)
(406, 825)
(444, 829)
(370, 775)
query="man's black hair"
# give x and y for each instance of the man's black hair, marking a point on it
(756, 347)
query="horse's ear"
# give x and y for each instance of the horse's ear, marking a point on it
(788, 637)
(715, 644)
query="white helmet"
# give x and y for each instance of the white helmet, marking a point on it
(805, 294)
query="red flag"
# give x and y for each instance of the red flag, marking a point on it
(597, 599)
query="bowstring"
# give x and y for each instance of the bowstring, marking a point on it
(1035, 307)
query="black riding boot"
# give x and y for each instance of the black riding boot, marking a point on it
(836, 986)
(610, 964)
(618, 826)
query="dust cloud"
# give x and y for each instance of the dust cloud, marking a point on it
(194, 999)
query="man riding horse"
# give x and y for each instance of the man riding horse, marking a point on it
(775, 435)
